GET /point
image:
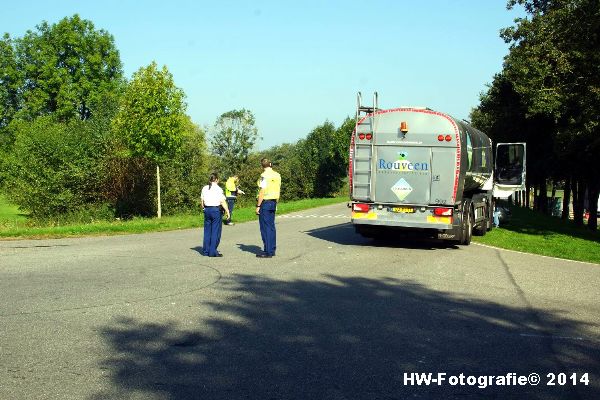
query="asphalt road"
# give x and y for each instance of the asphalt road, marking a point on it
(332, 316)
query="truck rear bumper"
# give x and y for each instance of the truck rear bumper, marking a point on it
(421, 220)
(422, 217)
(402, 224)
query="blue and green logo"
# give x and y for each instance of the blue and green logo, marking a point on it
(402, 164)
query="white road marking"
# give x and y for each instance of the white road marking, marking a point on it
(338, 216)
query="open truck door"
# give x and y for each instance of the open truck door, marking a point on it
(509, 169)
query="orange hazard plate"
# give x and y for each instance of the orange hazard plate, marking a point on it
(406, 210)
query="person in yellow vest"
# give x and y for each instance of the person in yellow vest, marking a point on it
(266, 205)
(231, 192)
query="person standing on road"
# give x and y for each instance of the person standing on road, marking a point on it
(231, 192)
(269, 188)
(213, 199)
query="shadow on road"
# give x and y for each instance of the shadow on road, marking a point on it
(249, 248)
(198, 249)
(344, 338)
(344, 234)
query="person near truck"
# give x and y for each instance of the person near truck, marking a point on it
(269, 188)
(213, 203)
(231, 192)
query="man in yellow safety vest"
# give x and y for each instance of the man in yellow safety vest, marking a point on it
(231, 192)
(266, 205)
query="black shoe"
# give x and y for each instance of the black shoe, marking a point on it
(218, 255)
(263, 256)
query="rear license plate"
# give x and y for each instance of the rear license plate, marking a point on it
(405, 210)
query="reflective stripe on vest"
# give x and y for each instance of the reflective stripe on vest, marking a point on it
(273, 179)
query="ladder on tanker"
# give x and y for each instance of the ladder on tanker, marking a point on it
(363, 149)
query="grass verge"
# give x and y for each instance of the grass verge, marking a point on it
(532, 232)
(13, 226)
(9, 212)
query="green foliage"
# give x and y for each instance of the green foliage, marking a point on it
(185, 174)
(77, 142)
(127, 183)
(53, 167)
(312, 167)
(324, 157)
(67, 67)
(548, 93)
(11, 79)
(286, 160)
(130, 181)
(151, 114)
(234, 136)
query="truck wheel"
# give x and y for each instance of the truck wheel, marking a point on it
(481, 230)
(467, 228)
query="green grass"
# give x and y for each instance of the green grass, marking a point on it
(14, 226)
(532, 232)
(9, 212)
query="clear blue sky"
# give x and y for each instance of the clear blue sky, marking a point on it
(296, 64)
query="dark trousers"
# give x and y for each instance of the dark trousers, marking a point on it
(266, 221)
(230, 204)
(212, 230)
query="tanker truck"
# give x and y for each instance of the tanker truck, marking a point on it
(417, 170)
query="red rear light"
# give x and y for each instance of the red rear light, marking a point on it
(361, 136)
(441, 138)
(360, 207)
(369, 136)
(442, 212)
(448, 138)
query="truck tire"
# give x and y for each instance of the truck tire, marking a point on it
(480, 230)
(467, 224)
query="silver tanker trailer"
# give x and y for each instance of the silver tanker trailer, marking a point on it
(413, 169)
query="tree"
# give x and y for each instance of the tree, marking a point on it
(323, 158)
(67, 67)
(553, 65)
(234, 137)
(11, 80)
(151, 117)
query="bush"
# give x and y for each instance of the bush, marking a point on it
(53, 167)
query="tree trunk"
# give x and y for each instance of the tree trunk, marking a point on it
(566, 199)
(593, 191)
(158, 207)
(543, 196)
(579, 191)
